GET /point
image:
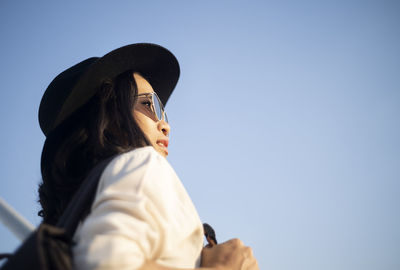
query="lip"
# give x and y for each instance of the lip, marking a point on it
(163, 146)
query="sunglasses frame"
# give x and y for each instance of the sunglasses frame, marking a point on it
(154, 111)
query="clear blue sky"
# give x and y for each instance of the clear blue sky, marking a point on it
(285, 121)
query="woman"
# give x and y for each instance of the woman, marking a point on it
(141, 216)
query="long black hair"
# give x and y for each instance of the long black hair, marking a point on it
(101, 128)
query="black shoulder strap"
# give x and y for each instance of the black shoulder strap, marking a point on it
(82, 199)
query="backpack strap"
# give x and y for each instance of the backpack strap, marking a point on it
(209, 233)
(82, 200)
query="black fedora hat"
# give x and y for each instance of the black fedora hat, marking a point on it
(74, 87)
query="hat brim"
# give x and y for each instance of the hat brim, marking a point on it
(158, 65)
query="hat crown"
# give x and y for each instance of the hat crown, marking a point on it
(58, 91)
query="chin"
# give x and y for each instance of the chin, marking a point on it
(163, 154)
(161, 151)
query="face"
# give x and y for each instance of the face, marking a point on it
(155, 130)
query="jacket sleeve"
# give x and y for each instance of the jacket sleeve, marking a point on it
(129, 215)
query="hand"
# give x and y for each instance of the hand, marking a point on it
(232, 255)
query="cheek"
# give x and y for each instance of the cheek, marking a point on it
(146, 124)
(139, 120)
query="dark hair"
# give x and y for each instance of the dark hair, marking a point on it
(101, 128)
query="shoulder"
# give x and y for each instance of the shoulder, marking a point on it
(134, 170)
(140, 157)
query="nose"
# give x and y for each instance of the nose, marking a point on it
(163, 127)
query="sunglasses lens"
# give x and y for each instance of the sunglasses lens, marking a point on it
(165, 117)
(158, 108)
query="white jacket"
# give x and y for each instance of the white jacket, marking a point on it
(141, 211)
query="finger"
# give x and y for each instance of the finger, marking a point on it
(235, 242)
(250, 264)
(248, 252)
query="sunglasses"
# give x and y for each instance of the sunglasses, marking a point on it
(152, 103)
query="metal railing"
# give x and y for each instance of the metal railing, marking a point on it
(16, 223)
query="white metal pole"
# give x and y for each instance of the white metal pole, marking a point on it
(14, 221)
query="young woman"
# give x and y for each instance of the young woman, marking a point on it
(141, 216)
